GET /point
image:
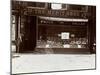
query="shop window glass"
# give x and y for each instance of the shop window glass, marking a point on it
(52, 35)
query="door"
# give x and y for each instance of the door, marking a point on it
(28, 34)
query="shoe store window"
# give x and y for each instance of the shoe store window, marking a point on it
(60, 34)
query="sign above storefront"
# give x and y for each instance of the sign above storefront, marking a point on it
(56, 13)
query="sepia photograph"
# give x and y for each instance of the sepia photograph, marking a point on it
(52, 37)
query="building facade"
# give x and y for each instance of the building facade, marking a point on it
(53, 28)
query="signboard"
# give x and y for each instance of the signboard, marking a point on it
(56, 13)
(64, 35)
(56, 6)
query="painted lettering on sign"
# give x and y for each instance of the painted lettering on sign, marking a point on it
(56, 13)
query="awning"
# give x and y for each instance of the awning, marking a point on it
(63, 19)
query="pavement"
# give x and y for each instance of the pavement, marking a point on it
(31, 63)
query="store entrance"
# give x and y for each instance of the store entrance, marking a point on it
(28, 34)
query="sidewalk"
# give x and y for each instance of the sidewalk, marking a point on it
(28, 63)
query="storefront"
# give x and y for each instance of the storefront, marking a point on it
(44, 28)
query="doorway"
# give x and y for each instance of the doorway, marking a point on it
(27, 34)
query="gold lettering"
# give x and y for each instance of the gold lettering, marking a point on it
(49, 12)
(57, 13)
(71, 13)
(42, 12)
(67, 13)
(62, 13)
(35, 11)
